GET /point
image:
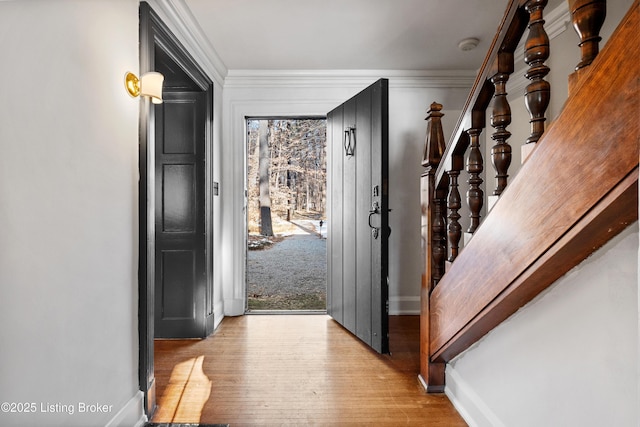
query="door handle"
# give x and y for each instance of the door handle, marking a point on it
(375, 209)
(349, 141)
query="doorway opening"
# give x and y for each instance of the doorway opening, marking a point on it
(286, 172)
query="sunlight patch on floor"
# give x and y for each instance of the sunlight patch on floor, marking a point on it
(186, 394)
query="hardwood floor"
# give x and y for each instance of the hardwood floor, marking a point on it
(295, 370)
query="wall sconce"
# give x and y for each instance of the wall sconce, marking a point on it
(149, 84)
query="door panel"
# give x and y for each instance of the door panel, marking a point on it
(178, 198)
(180, 216)
(178, 271)
(363, 199)
(358, 216)
(180, 133)
(349, 227)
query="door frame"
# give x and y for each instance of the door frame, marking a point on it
(155, 34)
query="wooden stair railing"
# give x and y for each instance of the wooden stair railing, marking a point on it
(576, 191)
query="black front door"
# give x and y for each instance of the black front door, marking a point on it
(358, 228)
(181, 278)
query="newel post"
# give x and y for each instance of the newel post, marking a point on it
(433, 243)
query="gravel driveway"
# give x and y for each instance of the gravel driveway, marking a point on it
(290, 274)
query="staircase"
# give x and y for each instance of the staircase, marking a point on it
(577, 188)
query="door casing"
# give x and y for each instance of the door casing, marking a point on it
(155, 37)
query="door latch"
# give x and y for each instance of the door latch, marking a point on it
(375, 209)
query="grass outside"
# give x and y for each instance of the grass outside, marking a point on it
(288, 302)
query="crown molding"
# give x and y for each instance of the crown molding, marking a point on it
(180, 19)
(347, 78)
(177, 16)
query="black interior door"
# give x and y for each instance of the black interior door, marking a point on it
(358, 228)
(181, 279)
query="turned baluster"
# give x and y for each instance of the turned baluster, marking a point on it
(500, 119)
(538, 92)
(454, 203)
(588, 17)
(439, 237)
(475, 195)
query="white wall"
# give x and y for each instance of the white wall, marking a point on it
(68, 209)
(304, 93)
(568, 358)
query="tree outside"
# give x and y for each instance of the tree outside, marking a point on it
(286, 172)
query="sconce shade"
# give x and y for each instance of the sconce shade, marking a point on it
(150, 84)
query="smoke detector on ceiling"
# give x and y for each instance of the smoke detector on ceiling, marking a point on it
(468, 44)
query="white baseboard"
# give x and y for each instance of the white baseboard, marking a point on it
(234, 306)
(132, 414)
(404, 306)
(467, 402)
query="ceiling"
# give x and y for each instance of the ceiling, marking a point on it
(348, 34)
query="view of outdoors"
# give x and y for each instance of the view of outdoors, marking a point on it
(286, 190)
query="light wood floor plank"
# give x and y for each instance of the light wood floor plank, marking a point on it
(295, 370)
